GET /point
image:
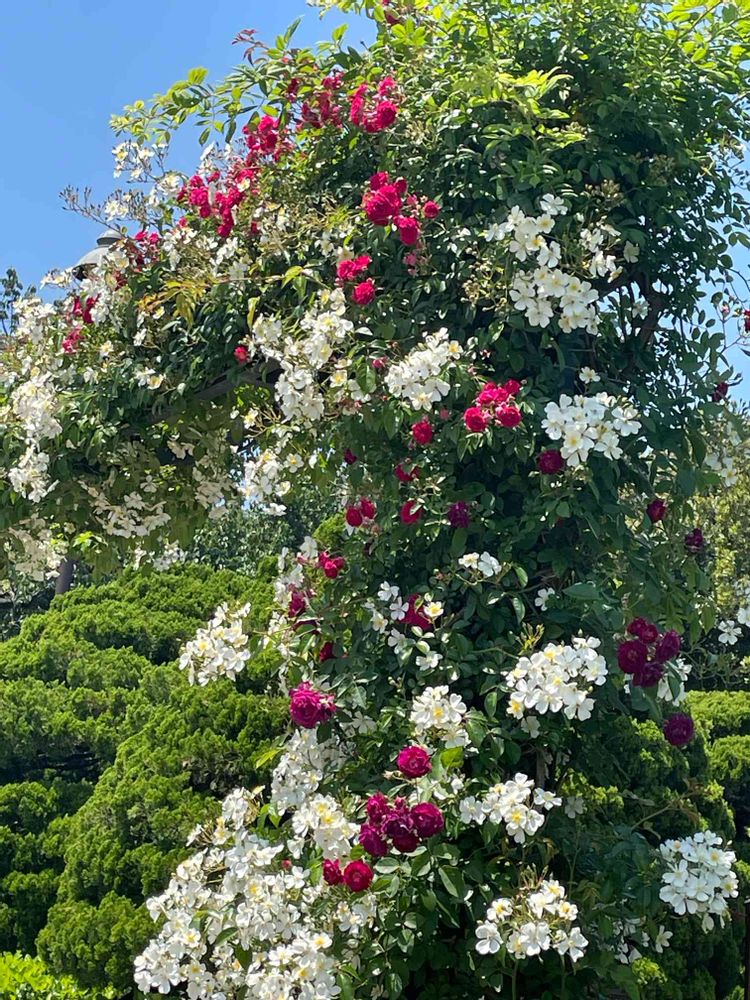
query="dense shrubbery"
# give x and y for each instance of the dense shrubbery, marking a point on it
(245, 536)
(23, 978)
(109, 758)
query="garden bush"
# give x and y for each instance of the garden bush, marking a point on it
(23, 978)
(109, 759)
(724, 713)
(453, 279)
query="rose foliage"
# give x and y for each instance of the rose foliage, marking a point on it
(459, 270)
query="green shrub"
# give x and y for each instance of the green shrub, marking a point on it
(111, 758)
(24, 978)
(730, 761)
(723, 713)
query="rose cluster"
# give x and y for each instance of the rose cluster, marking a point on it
(359, 513)
(385, 204)
(398, 825)
(207, 198)
(699, 877)
(219, 650)
(531, 923)
(376, 113)
(589, 423)
(439, 715)
(645, 654)
(510, 804)
(493, 405)
(322, 107)
(331, 565)
(81, 313)
(302, 767)
(354, 269)
(321, 821)
(420, 377)
(288, 922)
(560, 678)
(356, 876)
(309, 707)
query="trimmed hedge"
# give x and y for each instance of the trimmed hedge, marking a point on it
(724, 713)
(108, 758)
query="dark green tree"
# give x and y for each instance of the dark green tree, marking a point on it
(109, 758)
(11, 290)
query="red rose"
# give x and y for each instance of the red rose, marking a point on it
(632, 655)
(648, 675)
(422, 432)
(656, 510)
(364, 293)
(512, 387)
(358, 876)
(332, 874)
(679, 729)
(643, 630)
(427, 819)
(399, 826)
(308, 707)
(349, 457)
(241, 354)
(508, 415)
(372, 842)
(410, 513)
(720, 392)
(297, 604)
(357, 110)
(377, 807)
(413, 762)
(368, 508)
(383, 205)
(476, 420)
(550, 462)
(403, 476)
(694, 540)
(408, 229)
(347, 270)
(458, 514)
(331, 565)
(668, 646)
(431, 209)
(353, 517)
(326, 652)
(377, 181)
(383, 116)
(414, 616)
(491, 395)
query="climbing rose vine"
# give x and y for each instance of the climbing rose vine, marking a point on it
(451, 278)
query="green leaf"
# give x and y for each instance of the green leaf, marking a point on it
(452, 757)
(583, 592)
(453, 881)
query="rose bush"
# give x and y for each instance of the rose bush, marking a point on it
(510, 373)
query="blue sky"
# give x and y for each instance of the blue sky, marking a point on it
(67, 65)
